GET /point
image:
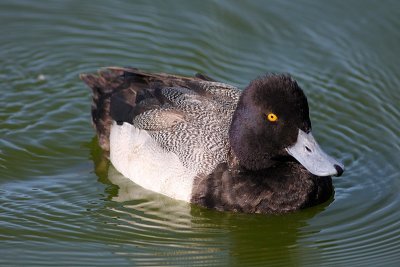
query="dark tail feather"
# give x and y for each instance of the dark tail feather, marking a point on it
(115, 92)
(103, 86)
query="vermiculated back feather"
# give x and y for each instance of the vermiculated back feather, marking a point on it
(187, 116)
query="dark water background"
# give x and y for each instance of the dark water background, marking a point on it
(61, 204)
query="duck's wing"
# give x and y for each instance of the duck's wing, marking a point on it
(153, 101)
(146, 84)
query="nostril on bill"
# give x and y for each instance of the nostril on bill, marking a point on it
(338, 169)
(308, 149)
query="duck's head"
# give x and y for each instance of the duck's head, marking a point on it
(272, 122)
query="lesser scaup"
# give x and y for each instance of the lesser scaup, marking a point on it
(206, 142)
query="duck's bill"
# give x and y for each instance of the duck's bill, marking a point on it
(307, 151)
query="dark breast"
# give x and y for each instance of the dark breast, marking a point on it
(283, 188)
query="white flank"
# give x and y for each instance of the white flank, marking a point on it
(138, 157)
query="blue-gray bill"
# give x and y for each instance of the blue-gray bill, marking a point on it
(307, 151)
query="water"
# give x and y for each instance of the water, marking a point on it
(62, 204)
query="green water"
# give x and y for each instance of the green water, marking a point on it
(62, 204)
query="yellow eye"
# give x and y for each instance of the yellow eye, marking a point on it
(272, 117)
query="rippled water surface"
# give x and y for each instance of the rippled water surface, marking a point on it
(62, 204)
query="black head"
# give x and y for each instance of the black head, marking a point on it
(267, 120)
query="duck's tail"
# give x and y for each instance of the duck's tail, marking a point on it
(104, 85)
(113, 99)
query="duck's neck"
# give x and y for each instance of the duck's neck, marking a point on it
(246, 154)
(235, 164)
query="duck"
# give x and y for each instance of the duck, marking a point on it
(212, 144)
